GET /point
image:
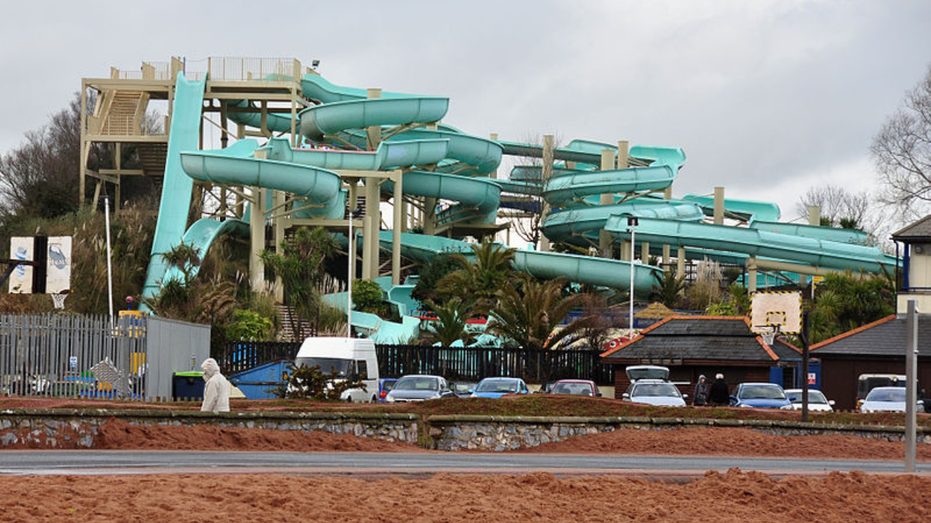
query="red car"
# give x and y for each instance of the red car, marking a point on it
(576, 388)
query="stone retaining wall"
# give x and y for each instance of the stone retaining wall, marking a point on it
(78, 428)
(496, 434)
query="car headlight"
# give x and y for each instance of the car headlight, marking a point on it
(787, 407)
(743, 405)
(389, 399)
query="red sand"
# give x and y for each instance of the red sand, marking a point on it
(722, 498)
(718, 441)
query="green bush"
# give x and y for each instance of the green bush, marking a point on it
(311, 383)
(367, 296)
(248, 325)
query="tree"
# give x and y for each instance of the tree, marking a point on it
(528, 312)
(846, 301)
(301, 269)
(430, 275)
(902, 153)
(668, 288)
(451, 320)
(528, 221)
(844, 209)
(480, 281)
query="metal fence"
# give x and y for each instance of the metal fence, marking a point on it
(454, 363)
(94, 357)
(72, 355)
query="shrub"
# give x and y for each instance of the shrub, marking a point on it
(367, 296)
(311, 383)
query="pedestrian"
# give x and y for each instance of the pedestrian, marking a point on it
(216, 390)
(700, 399)
(719, 395)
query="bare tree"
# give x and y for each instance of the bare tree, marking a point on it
(902, 152)
(528, 222)
(845, 209)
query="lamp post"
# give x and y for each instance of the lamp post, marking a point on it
(352, 265)
(632, 223)
(106, 213)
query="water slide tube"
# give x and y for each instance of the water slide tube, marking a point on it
(744, 209)
(183, 135)
(752, 242)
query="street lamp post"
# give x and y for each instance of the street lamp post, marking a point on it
(632, 223)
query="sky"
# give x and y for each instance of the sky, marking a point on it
(767, 98)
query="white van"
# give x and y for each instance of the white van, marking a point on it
(350, 357)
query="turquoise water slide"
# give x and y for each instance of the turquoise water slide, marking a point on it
(752, 242)
(183, 135)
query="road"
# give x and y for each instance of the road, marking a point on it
(170, 462)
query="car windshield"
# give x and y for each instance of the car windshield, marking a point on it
(578, 389)
(814, 396)
(327, 365)
(388, 385)
(462, 387)
(497, 386)
(891, 394)
(655, 390)
(761, 392)
(416, 383)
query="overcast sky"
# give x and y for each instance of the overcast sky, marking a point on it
(767, 98)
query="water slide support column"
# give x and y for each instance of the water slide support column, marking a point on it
(257, 239)
(370, 227)
(549, 146)
(278, 199)
(719, 205)
(429, 216)
(751, 274)
(398, 219)
(604, 237)
(372, 221)
(680, 263)
(814, 215)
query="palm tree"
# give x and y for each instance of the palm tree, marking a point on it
(668, 288)
(451, 320)
(528, 316)
(480, 281)
(301, 268)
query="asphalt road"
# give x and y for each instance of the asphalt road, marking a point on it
(161, 462)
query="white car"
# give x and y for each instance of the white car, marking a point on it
(816, 400)
(660, 393)
(887, 399)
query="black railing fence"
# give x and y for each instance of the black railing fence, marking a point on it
(453, 363)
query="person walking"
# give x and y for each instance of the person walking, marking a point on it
(719, 395)
(216, 390)
(700, 398)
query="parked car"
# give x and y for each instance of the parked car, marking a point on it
(760, 395)
(349, 358)
(647, 372)
(816, 400)
(660, 393)
(546, 388)
(497, 387)
(576, 388)
(462, 389)
(887, 399)
(419, 387)
(384, 387)
(868, 382)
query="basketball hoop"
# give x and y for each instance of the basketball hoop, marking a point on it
(58, 300)
(770, 337)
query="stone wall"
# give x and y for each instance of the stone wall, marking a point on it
(496, 434)
(77, 428)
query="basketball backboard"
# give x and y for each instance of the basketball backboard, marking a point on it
(776, 311)
(54, 255)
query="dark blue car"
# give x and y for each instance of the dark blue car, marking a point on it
(497, 387)
(760, 395)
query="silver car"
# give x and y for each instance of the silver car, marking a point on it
(887, 399)
(660, 393)
(419, 387)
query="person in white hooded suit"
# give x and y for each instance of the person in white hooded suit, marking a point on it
(217, 389)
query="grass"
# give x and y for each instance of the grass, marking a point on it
(531, 405)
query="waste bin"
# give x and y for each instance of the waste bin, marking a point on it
(188, 385)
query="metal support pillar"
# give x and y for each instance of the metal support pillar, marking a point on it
(257, 240)
(396, 225)
(719, 205)
(604, 237)
(549, 150)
